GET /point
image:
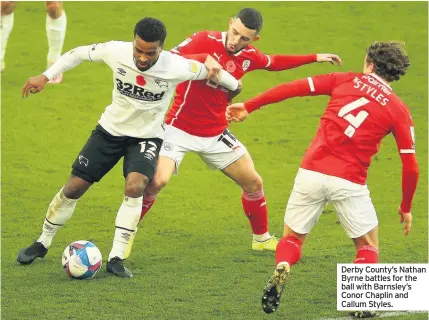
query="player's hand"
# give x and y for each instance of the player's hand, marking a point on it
(407, 217)
(236, 112)
(34, 85)
(329, 57)
(213, 68)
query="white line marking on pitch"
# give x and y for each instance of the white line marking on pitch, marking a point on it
(381, 315)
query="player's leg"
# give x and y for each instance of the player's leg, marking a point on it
(165, 168)
(253, 200)
(139, 167)
(359, 219)
(56, 24)
(174, 147)
(7, 8)
(229, 155)
(304, 207)
(366, 252)
(94, 161)
(168, 163)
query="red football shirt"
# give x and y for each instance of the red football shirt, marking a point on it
(362, 110)
(199, 106)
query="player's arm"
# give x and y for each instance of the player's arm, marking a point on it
(403, 131)
(67, 61)
(284, 62)
(195, 48)
(222, 78)
(317, 85)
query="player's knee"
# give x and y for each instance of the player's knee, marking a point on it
(7, 7)
(254, 184)
(135, 186)
(54, 9)
(75, 188)
(158, 183)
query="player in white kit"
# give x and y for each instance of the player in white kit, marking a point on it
(145, 78)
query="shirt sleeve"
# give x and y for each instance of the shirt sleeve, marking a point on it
(186, 69)
(260, 61)
(403, 131)
(100, 51)
(317, 85)
(192, 45)
(322, 84)
(74, 57)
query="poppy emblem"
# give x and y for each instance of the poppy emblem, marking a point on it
(140, 80)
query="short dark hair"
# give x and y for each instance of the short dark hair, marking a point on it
(151, 30)
(389, 58)
(251, 18)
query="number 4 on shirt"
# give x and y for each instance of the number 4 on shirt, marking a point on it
(355, 121)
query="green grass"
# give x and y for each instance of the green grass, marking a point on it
(192, 257)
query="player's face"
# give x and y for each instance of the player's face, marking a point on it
(238, 36)
(368, 67)
(145, 53)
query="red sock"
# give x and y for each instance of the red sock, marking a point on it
(366, 254)
(147, 204)
(288, 250)
(255, 208)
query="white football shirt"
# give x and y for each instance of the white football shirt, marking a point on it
(140, 99)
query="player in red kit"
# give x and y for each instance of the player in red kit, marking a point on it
(362, 110)
(196, 121)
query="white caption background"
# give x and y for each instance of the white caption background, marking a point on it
(382, 287)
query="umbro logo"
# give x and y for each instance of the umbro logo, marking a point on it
(121, 71)
(126, 236)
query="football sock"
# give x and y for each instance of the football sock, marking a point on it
(147, 204)
(59, 212)
(289, 249)
(255, 208)
(366, 254)
(56, 32)
(126, 222)
(6, 29)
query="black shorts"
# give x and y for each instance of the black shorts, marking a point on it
(102, 151)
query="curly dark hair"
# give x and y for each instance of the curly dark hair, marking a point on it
(389, 58)
(151, 30)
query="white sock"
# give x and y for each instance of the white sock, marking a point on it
(261, 237)
(126, 222)
(59, 212)
(6, 29)
(56, 33)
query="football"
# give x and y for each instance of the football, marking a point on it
(81, 259)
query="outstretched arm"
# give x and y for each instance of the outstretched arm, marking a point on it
(66, 62)
(284, 62)
(319, 85)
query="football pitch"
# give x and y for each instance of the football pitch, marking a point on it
(192, 256)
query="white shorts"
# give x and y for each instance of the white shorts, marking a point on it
(217, 152)
(312, 190)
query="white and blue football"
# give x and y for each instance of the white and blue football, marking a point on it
(81, 259)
